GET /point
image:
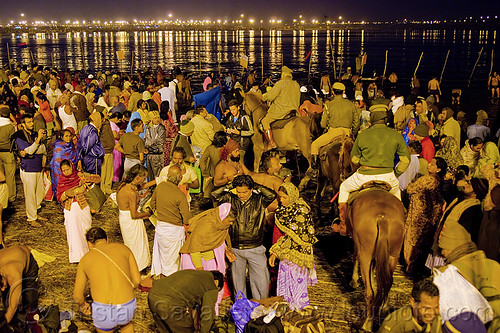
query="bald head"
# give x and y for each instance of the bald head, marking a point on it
(174, 174)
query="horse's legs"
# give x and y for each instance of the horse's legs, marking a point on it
(365, 262)
(257, 152)
(355, 273)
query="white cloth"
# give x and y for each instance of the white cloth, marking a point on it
(135, 237)
(128, 164)
(168, 94)
(53, 96)
(168, 241)
(356, 180)
(68, 120)
(34, 192)
(77, 221)
(410, 173)
(188, 177)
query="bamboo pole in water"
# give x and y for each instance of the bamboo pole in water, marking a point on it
(52, 59)
(385, 66)
(491, 66)
(32, 58)
(333, 56)
(8, 56)
(83, 56)
(199, 61)
(132, 62)
(418, 64)
(444, 66)
(66, 58)
(262, 63)
(309, 69)
(474, 68)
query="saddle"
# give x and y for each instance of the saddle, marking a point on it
(280, 123)
(368, 186)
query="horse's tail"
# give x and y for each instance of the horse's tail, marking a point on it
(382, 267)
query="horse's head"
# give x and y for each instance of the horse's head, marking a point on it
(252, 103)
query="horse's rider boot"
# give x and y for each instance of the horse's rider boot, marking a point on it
(341, 227)
(270, 140)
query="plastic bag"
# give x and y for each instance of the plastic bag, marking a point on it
(241, 310)
(457, 295)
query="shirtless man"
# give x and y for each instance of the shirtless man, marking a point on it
(325, 85)
(113, 275)
(130, 219)
(434, 89)
(229, 165)
(493, 85)
(19, 280)
(267, 178)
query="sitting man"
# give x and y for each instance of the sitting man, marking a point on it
(172, 300)
(339, 118)
(421, 316)
(284, 97)
(18, 282)
(374, 150)
(113, 275)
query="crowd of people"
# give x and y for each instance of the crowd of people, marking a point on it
(150, 144)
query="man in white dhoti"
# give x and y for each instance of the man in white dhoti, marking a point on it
(131, 223)
(173, 214)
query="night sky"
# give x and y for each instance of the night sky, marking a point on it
(258, 9)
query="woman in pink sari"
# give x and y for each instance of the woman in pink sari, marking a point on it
(114, 119)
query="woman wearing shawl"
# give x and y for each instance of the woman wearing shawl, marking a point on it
(424, 212)
(171, 131)
(64, 149)
(408, 133)
(295, 248)
(141, 113)
(208, 242)
(77, 219)
(450, 152)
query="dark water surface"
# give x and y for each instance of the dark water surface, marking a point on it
(188, 49)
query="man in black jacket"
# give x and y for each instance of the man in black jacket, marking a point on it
(249, 200)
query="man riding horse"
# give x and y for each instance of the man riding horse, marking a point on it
(340, 118)
(284, 97)
(374, 150)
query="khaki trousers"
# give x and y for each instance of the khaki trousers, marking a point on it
(107, 174)
(33, 192)
(266, 122)
(8, 166)
(327, 137)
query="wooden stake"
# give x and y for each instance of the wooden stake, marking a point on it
(333, 56)
(418, 64)
(132, 62)
(66, 58)
(491, 66)
(309, 70)
(32, 58)
(262, 62)
(52, 59)
(474, 68)
(83, 56)
(8, 56)
(444, 66)
(199, 61)
(385, 66)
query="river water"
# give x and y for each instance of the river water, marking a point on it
(192, 50)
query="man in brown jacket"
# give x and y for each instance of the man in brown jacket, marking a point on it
(79, 102)
(7, 161)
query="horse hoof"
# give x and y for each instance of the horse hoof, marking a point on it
(367, 326)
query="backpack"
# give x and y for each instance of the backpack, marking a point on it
(259, 326)
(307, 320)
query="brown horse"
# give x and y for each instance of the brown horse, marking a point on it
(376, 222)
(294, 135)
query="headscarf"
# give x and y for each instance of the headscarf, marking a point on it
(228, 148)
(450, 152)
(96, 119)
(407, 134)
(295, 222)
(67, 182)
(207, 231)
